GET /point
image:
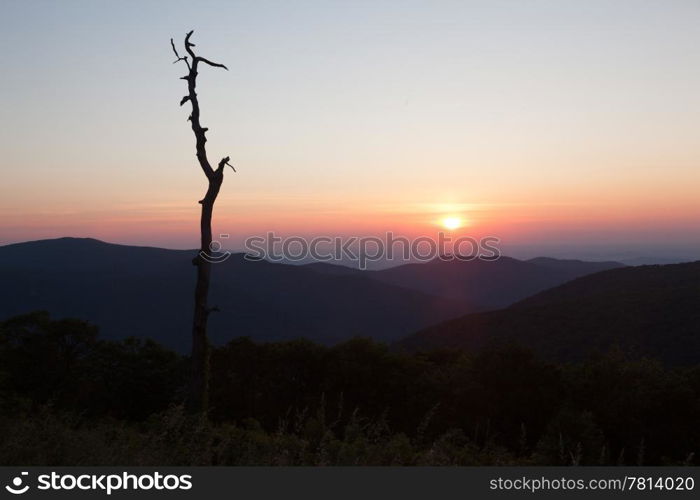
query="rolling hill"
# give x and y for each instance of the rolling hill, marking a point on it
(492, 284)
(645, 311)
(147, 292)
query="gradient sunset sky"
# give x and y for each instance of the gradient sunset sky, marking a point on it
(563, 127)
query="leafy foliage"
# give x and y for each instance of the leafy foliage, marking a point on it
(67, 397)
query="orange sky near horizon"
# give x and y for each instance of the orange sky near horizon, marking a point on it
(176, 225)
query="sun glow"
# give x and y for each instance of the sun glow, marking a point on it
(451, 223)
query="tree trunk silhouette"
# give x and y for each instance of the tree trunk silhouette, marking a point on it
(198, 393)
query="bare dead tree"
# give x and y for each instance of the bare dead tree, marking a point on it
(198, 394)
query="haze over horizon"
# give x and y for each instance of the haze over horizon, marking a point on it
(564, 129)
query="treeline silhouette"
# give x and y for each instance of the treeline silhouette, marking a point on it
(67, 398)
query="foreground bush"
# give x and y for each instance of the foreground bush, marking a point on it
(68, 398)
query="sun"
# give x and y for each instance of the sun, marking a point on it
(451, 222)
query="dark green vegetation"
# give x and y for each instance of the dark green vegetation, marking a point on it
(147, 292)
(649, 311)
(67, 397)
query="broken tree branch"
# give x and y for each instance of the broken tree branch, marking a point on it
(210, 63)
(172, 44)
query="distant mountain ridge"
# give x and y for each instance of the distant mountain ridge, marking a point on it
(645, 311)
(492, 284)
(147, 292)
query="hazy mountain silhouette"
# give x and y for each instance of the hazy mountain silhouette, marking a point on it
(646, 311)
(492, 284)
(147, 292)
(334, 269)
